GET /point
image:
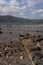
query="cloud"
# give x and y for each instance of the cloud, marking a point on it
(13, 3)
(31, 3)
(24, 8)
(11, 7)
(41, 15)
(37, 11)
(21, 14)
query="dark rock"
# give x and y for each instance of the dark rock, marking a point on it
(5, 53)
(39, 36)
(39, 39)
(10, 32)
(36, 64)
(1, 32)
(17, 62)
(11, 41)
(0, 55)
(21, 35)
(37, 31)
(36, 49)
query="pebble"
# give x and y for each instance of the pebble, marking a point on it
(41, 59)
(21, 57)
(6, 48)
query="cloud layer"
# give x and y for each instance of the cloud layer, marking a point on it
(23, 8)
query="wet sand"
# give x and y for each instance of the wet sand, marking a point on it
(12, 32)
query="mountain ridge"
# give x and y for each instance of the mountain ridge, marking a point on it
(9, 18)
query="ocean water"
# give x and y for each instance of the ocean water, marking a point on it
(7, 23)
(25, 23)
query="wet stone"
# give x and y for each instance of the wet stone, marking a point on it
(1, 32)
(10, 32)
(11, 41)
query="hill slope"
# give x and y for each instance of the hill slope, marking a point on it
(19, 20)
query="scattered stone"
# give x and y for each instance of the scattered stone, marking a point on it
(10, 32)
(6, 48)
(41, 59)
(0, 55)
(11, 41)
(36, 64)
(21, 57)
(1, 32)
(39, 36)
(33, 48)
(37, 31)
(38, 45)
(21, 35)
(14, 53)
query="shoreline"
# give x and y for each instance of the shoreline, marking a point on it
(11, 32)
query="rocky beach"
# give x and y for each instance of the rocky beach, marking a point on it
(21, 32)
(21, 45)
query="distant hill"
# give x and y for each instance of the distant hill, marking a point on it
(9, 18)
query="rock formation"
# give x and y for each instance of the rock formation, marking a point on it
(34, 49)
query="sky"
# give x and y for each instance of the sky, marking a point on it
(31, 9)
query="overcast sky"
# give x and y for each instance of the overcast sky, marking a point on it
(32, 9)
